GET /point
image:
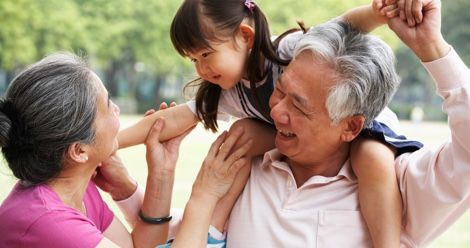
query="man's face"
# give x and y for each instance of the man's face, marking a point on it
(305, 133)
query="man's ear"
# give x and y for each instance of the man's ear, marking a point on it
(248, 34)
(352, 127)
(78, 153)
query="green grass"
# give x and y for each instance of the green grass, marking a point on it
(196, 145)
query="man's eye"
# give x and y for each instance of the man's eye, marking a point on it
(278, 91)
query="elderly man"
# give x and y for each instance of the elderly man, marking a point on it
(303, 193)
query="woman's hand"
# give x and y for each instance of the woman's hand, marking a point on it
(162, 156)
(220, 166)
(163, 105)
(112, 177)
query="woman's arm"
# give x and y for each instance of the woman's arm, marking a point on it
(178, 119)
(215, 178)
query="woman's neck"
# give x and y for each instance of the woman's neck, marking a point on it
(70, 185)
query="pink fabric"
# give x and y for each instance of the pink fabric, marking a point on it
(324, 212)
(36, 217)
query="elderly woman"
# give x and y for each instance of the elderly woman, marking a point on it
(58, 130)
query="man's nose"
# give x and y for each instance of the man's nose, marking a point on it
(279, 113)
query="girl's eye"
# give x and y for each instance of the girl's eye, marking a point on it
(205, 54)
(193, 60)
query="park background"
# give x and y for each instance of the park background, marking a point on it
(127, 42)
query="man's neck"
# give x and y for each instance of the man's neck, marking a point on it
(328, 167)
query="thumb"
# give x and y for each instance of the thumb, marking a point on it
(153, 136)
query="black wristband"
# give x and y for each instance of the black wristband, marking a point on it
(156, 221)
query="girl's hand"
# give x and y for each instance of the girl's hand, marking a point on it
(385, 9)
(220, 166)
(162, 156)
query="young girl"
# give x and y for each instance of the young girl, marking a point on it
(238, 65)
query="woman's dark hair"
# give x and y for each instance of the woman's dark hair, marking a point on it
(47, 107)
(197, 22)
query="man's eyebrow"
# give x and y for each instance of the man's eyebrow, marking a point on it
(300, 99)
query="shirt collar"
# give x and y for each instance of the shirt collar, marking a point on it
(273, 158)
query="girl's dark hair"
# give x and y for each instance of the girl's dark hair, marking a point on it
(47, 107)
(197, 22)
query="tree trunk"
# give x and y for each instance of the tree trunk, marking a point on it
(158, 83)
(111, 78)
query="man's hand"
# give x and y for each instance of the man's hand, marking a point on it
(425, 39)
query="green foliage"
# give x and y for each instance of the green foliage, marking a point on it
(120, 34)
(16, 46)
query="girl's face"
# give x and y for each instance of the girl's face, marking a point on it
(225, 63)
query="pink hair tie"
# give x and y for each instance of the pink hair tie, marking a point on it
(250, 5)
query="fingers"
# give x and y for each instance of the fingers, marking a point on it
(417, 10)
(163, 105)
(401, 6)
(409, 14)
(390, 11)
(411, 11)
(240, 152)
(149, 112)
(216, 145)
(377, 4)
(228, 144)
(154, 135)
(236, 166)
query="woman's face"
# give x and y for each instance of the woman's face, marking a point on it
(106, 123)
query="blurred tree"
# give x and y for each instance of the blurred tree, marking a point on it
(151, 44)
(108, 25)
(283, 14)
(455, 26)
(16, 44)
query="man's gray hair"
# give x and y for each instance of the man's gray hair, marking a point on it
(365, 68)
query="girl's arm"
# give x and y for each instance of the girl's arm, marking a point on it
(368, 17)
(178, 119)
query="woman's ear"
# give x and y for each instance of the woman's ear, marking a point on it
(248, 34)
(353, 126)
(78, 153)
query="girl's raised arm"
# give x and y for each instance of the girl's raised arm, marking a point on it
(368, 17)
(178, 119)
